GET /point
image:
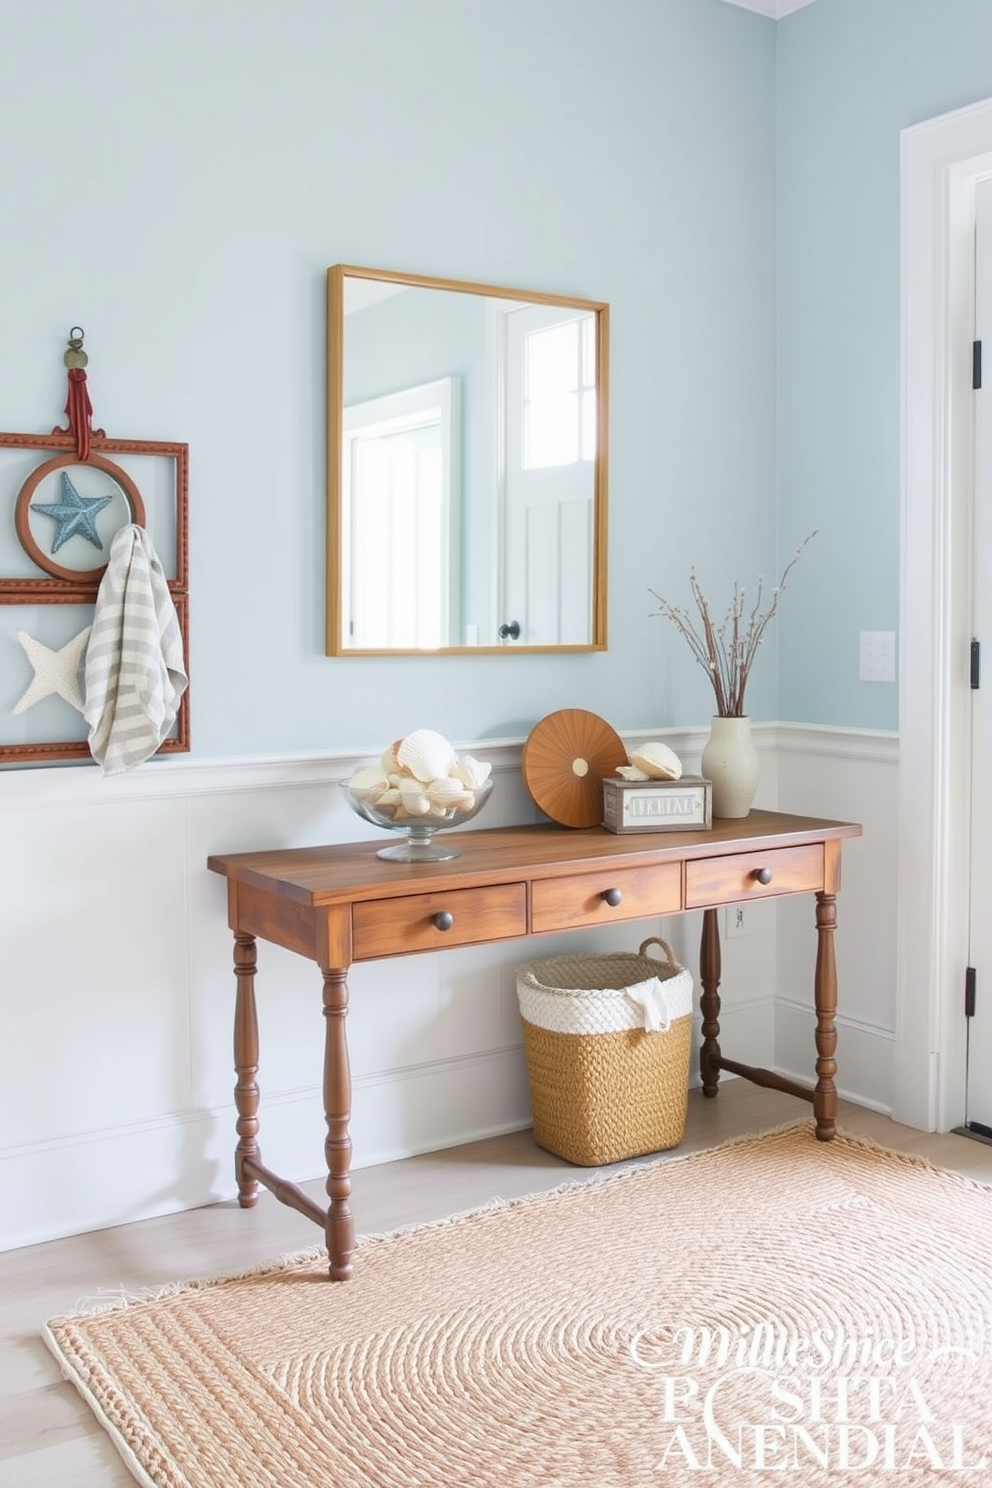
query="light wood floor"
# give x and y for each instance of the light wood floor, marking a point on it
(48, 1437)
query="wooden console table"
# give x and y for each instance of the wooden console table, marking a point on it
(338, 905)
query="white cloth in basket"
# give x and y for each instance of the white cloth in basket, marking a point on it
(660, 1003)
(654, 1004)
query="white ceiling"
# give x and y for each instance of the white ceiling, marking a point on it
(775, 9)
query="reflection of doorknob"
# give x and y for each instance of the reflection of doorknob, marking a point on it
(510, 632)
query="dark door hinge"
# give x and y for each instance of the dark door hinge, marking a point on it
(969, 992)
(976, 364)
(976, 664)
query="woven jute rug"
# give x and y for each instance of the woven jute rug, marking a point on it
(775, 1310)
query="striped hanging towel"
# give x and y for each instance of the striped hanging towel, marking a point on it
(135, 672)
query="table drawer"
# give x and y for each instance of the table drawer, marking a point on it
(580, 899)
(392, 927)
(789, 870)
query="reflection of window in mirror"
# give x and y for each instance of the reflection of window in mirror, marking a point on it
(559, 392)
(502, 518)
(400, 480)
(549, 481)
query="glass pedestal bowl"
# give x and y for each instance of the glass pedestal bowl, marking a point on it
(419, 832)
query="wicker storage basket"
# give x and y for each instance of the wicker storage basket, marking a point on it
(607, 1042)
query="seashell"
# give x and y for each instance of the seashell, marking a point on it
(657, 761)
(413, 798)
(388, 761)
(426, 754)
(450, 792)
(471, 772)
(631, 772)
(369, 782)
(389, 800)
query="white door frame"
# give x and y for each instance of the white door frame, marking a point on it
(941, 160)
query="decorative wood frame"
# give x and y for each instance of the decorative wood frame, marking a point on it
(65, 586)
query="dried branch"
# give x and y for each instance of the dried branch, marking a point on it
(728, 651)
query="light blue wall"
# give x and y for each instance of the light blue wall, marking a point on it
(177, 178)
(851, 75)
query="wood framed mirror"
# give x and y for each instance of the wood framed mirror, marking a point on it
(467, 431)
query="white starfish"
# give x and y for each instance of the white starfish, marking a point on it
(55, 672)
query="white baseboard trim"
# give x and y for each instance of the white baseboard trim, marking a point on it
(108, 1176)
(145, 1169)
(864, 1055)
(803, 1078)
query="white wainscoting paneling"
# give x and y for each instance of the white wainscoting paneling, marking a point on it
(852, 776)
(116, 1081)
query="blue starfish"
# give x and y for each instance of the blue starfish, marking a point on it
(75, 514)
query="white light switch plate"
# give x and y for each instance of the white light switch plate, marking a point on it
(877, 656)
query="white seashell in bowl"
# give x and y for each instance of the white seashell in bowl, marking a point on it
(450, 792)
(388, 760)
(426, 754)
(411, 809)
(414, 798)
(657, 760)
(369, 781)
(470, 771)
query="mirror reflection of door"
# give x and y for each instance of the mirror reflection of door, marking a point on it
(399, 518)
(550, 415)
(418, 567)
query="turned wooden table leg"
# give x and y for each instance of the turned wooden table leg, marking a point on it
(337, 1110)
(246, 1067)
(709, 1002)
(825, 1095)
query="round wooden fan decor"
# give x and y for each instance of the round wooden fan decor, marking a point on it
(565, 760)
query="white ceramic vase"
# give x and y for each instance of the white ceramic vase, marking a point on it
(730, 760)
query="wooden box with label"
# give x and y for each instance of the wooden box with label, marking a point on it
(657, 805)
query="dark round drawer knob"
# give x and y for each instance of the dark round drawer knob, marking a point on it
(763, 875)
(444, 919)
(612, 896)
